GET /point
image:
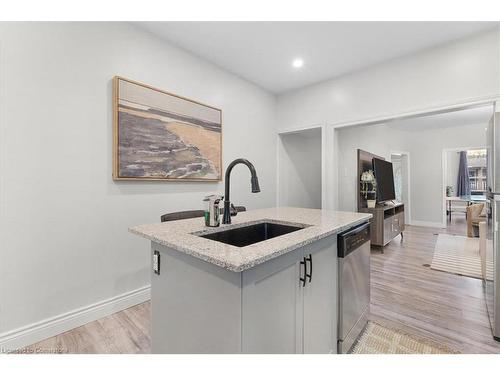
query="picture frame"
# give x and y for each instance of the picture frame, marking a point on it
(160, 136)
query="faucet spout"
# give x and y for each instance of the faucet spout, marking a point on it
(254, 181)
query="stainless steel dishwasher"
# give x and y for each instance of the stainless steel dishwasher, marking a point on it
(353, 284)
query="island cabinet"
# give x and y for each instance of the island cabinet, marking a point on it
(285, 305)
(286, 310)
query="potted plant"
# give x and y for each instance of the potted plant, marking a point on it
(372, 199)
(369, 188)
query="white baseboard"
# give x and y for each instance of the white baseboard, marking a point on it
(32, 333)
(432, 224)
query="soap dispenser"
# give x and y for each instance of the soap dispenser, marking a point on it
(212, 210)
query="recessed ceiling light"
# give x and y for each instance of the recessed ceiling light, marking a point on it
(297, 63)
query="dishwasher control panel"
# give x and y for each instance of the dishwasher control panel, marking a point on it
(352, 239)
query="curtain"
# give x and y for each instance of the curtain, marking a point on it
(463, 183)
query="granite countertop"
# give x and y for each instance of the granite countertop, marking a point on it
(317, 224)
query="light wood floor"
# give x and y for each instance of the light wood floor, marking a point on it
(433, 305)
(127, 331)
(446, 308)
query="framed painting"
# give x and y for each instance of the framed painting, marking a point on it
(162, 136)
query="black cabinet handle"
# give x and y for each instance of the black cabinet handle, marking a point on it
(310, 260)
(156, 262)
(303, 279)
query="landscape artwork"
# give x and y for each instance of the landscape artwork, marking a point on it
(161, 136)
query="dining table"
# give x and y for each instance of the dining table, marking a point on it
(468, 199)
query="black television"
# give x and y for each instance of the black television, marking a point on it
(385, 180)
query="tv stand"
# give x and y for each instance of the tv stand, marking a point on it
(388, 219)
(387, 223)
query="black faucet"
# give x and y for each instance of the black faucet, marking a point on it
(226, 219)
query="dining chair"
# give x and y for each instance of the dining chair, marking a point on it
(474, 218)
(181, 215)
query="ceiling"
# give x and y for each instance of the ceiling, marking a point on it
(262, 52)
(473, 116)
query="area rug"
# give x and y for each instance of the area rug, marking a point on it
(458, 255)
(377, 339)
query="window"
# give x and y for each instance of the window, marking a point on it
(476, 164)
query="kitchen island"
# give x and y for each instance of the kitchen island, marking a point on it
(214, 292)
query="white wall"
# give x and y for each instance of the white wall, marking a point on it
(300, 169)
(494, 133)
(63, 221)
(451, 173)
(426, 172)
(457, 72)
(490, 136)
(377, 139)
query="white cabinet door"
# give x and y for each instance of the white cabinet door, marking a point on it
(320, 304)
(196, 306)
(272, 306)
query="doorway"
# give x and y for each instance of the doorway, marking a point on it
(401, 168)
(300, 168)
(469, 167)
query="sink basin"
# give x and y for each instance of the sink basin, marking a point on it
(250, 234)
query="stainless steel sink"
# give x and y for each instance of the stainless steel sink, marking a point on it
(250, 234)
